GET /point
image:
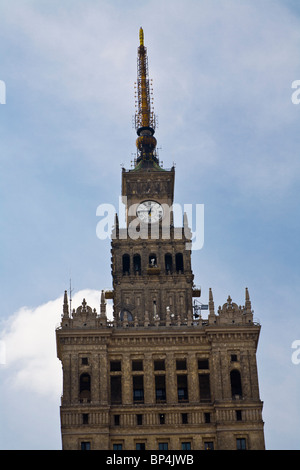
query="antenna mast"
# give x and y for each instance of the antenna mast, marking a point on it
(70, 292)
(144, 117)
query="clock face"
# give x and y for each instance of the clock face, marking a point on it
(149, 212)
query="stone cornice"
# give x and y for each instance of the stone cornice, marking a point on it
(143, 338)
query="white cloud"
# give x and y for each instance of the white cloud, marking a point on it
(29, 338)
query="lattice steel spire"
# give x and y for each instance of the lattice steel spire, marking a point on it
(145, 121)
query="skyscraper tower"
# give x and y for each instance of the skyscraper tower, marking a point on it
(158, 376)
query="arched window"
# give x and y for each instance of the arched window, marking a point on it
(137, 264)
(127, 312)
(152, 261)
(168, 263)
(85, 387)
(236, 384)
(179, 263)
(126, 264)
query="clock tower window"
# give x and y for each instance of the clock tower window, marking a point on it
(168, 263)
(179, 263)
(126, 264)
(137, 264)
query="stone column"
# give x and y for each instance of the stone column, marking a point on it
(193, 381)
(126, 380)
(66, 365)
(104, 378)
(171, 382)
(149, 392)
(74, 379)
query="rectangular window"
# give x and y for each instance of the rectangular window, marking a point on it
(140, 446)
(186, 446)
(241, 444)
(159, 364)
(138, 388)
(233, 358)
(85, 418)
(85, 445)
(204, 387)
(117, 446)
(208, 445)
(238, 415)
(203, 364)
(162, 418)
(139, 420)
(181, 364)
(207, 418)
(163, 446)
(117, 420)
(84, 361)
(184, 418)
(182, 388)
(137, 365)
(115, 366)
(116, 389)
(160, 388)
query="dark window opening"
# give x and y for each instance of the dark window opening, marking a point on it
(117, 446)
(184, 418)
(162, 418)
(85, 446)
(138, 388)
(160, 388)
(182, 388)
(236, 384)
(241, 444)
(204, 388)
(84, 361)
(203, 364)
(85, 387)
(208, 446)
(85, 418)
(233, 358)
(137, 365)
(162, 446)
(159, 364)
(137, 264)
(115, 389)
(207, 418)
(181, 364)
(140, 446)
(139, 420)
(238, 415)
(168, 263)
(126, 264)
(117, 420)
(179, 263)
(115, 366)
(186, 446)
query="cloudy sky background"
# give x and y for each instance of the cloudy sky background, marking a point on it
(222, 75)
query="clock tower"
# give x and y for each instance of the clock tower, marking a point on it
(157, 376)
(151, 268)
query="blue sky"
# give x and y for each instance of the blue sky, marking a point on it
(222, 74)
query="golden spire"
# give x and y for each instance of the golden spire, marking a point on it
(141, 37)
(144, 118)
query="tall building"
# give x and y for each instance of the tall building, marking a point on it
(158, 376)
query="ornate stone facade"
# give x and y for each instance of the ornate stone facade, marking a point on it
(189, 386)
